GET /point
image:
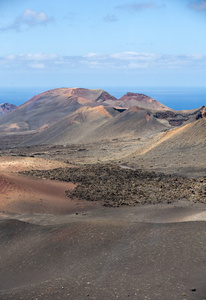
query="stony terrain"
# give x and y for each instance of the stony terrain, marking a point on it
(54, 247)
(115, 186)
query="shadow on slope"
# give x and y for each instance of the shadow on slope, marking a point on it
(100, 123)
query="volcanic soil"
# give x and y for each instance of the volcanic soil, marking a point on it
(99, 241)
(20, 194)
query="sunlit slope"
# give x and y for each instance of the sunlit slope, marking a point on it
(75, 127)
(191, 137)
(134, 122)
(49, 107)
(53, 105)
(133, 115)
(99, 123)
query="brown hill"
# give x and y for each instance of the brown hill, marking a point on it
(6, 108)
(189, 136)
(181, 150)
(68, 115)
(49, 107)
(53, 105)
(133, 122)
(100, 123)
(77, 126)
(140, 100)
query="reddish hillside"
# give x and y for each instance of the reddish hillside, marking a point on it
(49, 107)
(140, 100)
(94, 124)
(65, 115)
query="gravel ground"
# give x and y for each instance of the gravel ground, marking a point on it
(116, 186)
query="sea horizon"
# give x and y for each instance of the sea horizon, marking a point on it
(177, 98)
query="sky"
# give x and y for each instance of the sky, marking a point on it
(93, 43)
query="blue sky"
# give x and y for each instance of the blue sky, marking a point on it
(102, 43)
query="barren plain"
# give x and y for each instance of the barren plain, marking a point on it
(118, 214)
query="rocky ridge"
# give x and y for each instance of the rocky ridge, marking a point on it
(77, 115)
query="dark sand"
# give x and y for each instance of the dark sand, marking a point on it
(93, 252)
(146, 252)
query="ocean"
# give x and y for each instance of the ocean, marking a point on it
(177, 98)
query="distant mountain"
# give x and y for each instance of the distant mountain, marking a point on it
(140, 100)
(6, 108)
(89, 124)
(68, 115)
(51, 106)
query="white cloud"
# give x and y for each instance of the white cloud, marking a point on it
(34, 61)
(33, 14)
(38, 56)
(134, 56)
(122, 60)
(32, 57)
(10, 57)
(140, 65)
(29, 18)
(198, 5)
(36, 65)
(92, 55)
(196, 56)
